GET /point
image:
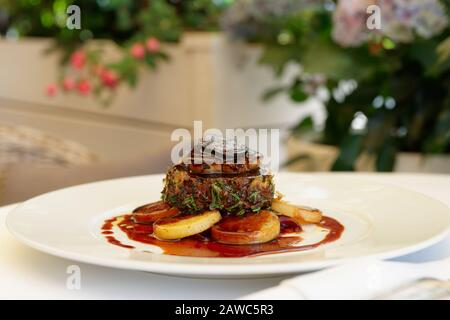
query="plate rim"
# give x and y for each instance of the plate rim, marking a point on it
(219, 269)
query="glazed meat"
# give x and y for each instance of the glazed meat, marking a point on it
(232, 187)
(229, 194)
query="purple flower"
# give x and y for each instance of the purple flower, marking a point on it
(401, 20)
(247, 18)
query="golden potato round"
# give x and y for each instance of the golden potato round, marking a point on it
(184, 226)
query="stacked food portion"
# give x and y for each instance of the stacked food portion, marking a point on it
(233, 188)
(224, 193)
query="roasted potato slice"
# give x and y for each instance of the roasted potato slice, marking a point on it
(298, 213)
(185, 226)
(250, 228)
(151, 212)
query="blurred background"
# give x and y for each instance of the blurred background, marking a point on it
(92, 90)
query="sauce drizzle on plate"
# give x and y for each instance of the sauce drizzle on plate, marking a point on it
(201, 245)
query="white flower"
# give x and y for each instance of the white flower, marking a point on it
(430, 20)
(402, 18)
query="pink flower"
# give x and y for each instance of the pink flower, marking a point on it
(51, 89)
(109, 78)
(349, 22)
(68, 84)
(137, 50)
(153, 45)
(84, 87)
(78, 59)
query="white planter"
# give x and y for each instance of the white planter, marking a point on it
(321, 158)
(208, 78)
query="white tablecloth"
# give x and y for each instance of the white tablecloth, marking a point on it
(27, 273)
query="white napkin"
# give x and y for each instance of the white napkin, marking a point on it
(362, 279)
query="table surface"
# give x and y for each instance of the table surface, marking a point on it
(30, 274)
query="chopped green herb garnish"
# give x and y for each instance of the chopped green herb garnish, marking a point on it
(172, 199)
(215, 195)
(234, 195)
(234, 206)
(190, 203)
(254, 196)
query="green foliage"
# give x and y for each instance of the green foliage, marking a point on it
(350, 149)
(125, 22)
(303, 126)
(402, 87)
(386, 156)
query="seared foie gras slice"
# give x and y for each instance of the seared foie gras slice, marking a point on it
(185, 226)
(216, 156)
(151, 212)
(250, 228)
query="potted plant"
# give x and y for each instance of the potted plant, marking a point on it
(137, 28)
(386, 91)
(155, 62)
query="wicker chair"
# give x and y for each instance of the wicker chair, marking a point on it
(30, 147)
(27, 145)
(32, 163)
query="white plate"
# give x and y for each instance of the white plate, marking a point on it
(380, 221)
